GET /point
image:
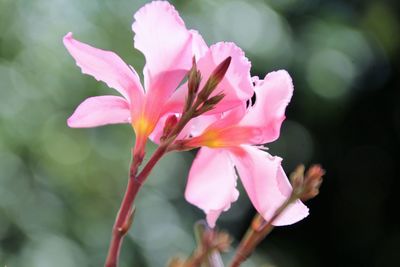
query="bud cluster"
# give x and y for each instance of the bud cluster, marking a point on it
(306, 186)
(198, 101)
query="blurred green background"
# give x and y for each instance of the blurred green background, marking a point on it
(60, 188)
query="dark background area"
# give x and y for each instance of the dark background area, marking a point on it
(60, 188)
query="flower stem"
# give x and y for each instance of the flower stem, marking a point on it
(305, 186)
(258, 230)
(124, 216)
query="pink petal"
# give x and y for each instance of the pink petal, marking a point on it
(222, 130)
(161, 35)
(106, 66)
(212, 183)
(273, 94)
(236, 85)
(229, 118)
(200, 47)
(159, 129)
(200, 123)
(266, 184)
(100, 110)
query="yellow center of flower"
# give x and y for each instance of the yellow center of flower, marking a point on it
(212, 139)
(224, 137)
(142, 127)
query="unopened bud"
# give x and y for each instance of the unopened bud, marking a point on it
(214, 100)
(306, 186)
(215, 78)
(194, 79)
(209, 104)
(220, 71)
(297, 177)
(169, 125)
(312, 182)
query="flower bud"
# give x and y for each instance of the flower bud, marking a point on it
(169, 125)
(194, 79)
(209, 104)
(312, 182)
(219, 72)
(215, 78)
(297, 177)
(306, 186)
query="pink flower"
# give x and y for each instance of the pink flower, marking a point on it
(168, 47)
(228, 141)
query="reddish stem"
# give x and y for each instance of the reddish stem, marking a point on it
(123, 220)
(124, 217)
(258, 230)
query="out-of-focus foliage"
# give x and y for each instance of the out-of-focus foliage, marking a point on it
(60, 188)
